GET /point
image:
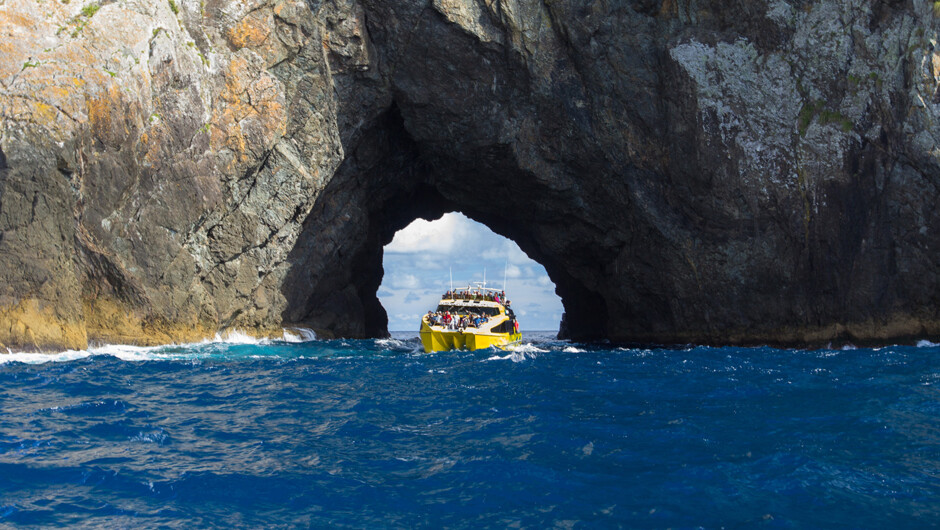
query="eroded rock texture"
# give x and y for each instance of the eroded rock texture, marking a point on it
(685, 170)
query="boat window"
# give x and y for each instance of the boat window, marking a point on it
(462, 309)
(504, 327)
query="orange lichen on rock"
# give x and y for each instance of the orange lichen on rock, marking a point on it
(111, 321)
(255, 32)
(15, 50)
(44, 113)
(254, 113)
(150, 145)
(107, 116)
(251, 31)
(34, 325)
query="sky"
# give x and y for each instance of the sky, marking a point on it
(419, 259)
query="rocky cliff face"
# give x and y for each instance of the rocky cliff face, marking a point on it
(685, 170)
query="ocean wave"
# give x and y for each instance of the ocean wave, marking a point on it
(927, 344)
(297, 335)
(40, 358)
(519, 353)
(525, 348)
(515, 357)
(186, 351)
(390, 343)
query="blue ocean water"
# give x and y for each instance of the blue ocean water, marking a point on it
(554, 434)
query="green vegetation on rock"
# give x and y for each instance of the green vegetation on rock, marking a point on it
(807, 113)
(80, 20)
(90, 10)
(826, 117)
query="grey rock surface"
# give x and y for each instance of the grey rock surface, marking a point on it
(686, 170)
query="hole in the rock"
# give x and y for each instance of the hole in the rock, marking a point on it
(419, 260)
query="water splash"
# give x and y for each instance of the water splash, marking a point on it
(519, 353)
(297, 335)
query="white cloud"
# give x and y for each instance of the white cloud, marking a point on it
(440, 236)
(412, 297)
(513, 271)
(506, 251)
(405, 281)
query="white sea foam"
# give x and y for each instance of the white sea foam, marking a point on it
(39, 358)
(235, 336)
(525, 348)
(127, 352)
(299, 335)
(572, 349)
(518, 353)
(390, 343)
(926, 344)
(515, 357)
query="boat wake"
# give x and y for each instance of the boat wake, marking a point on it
(519, 353)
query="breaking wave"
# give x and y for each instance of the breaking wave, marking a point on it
(128, 352)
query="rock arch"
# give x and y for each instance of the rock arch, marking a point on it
(674, 175)
(383, 185)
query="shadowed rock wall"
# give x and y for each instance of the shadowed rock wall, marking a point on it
(685, 170)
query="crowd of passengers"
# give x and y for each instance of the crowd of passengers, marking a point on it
(455, 321)
(499, 297)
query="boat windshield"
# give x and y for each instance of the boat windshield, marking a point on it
(462, 309)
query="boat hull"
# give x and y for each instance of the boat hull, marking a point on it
(437, 339)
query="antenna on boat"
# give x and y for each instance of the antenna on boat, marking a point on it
(484, 277)
(451, 279)
(505, 266)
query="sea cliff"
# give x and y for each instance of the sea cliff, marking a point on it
(728, 172)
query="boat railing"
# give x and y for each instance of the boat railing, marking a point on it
(484, 296)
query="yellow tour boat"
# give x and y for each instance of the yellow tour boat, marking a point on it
(470, 318)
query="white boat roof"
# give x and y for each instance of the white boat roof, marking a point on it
(460, 301)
